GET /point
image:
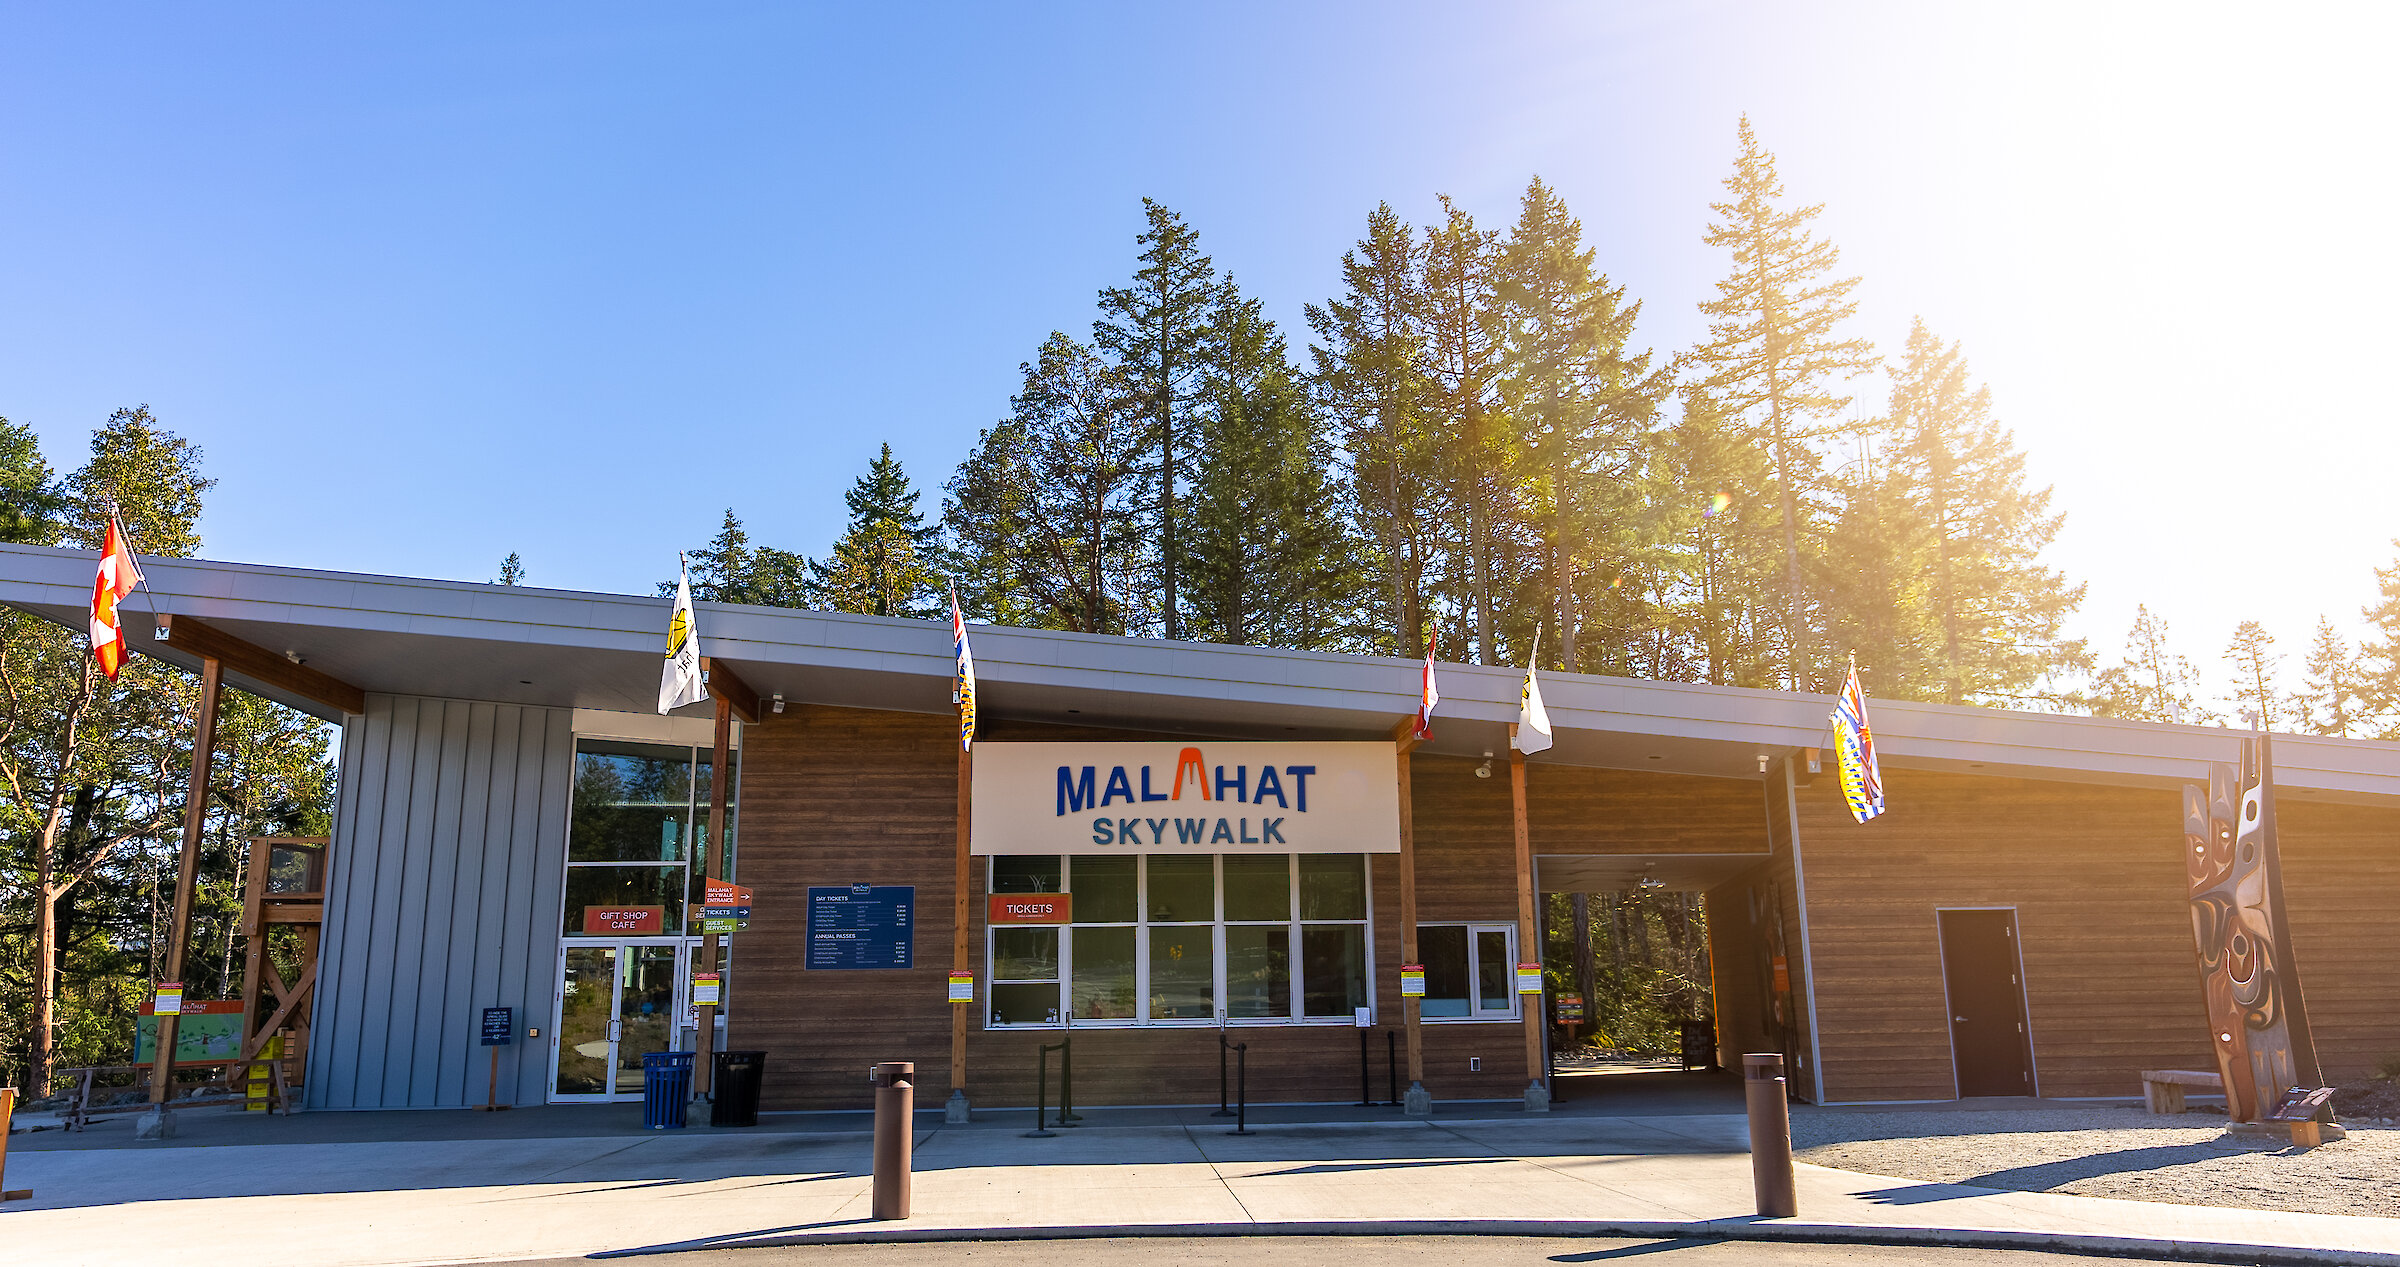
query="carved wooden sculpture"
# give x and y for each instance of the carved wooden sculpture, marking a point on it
(2257, 1022)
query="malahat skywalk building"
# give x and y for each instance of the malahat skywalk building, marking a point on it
(1232, 836)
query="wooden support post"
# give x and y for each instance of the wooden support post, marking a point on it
(1404, 739)
(1529, 935)
(961, 876)
(712, 867)
(195, 816)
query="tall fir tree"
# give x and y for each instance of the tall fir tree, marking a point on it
(1581, 404)
(2379, 654)
(729, 569)
(1996, 611)
(1721, 600)
(1775, 355)
(2152, 682)
(1462, 328)
(1156, 331)
(1368, 376)
(2254, 659)
(887, 561)
(1047, 514)
(1880, 586)
(1271, 562)
(2331, 705)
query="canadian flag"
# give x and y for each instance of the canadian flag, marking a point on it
(118, 575)
(1429, 696)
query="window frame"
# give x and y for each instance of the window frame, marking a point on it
(1142, 925)
(695, 821)
(1477, 1014)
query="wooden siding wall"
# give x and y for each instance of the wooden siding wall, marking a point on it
(2097, 880)
(838, 796)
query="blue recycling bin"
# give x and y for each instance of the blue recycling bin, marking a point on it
(666, 1089)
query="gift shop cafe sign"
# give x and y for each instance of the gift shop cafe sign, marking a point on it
(1198, 798)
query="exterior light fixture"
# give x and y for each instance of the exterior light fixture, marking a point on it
(779, 701)
(1484, 771)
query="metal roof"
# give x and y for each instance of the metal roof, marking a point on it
(462, 640)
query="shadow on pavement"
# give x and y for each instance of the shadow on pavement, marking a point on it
(1636, 1251)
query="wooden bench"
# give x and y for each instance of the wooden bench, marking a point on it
(2163, 1088)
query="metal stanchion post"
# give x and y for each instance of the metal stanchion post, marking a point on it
(1241, 1088)
(1041, 1093)
(1222, 1047)
(895, 1136)
(1067, 1116)
(1770, 1135)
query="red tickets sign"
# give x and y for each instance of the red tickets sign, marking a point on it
(624, 919)
(1031, 908)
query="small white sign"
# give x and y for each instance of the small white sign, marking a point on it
(962, 987)
(707, 989)
(168, 1001)
(1529, 978)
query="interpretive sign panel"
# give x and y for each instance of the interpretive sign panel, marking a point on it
(206, 1031)
(1197, 798)
(859, 926)
(499, 1026)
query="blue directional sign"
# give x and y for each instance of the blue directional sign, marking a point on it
(859, 926)
(499, 1026)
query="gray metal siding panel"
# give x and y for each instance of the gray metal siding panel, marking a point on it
(451, 831)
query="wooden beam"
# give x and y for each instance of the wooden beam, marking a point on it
(962, 875)
(1408, 906)
(712, 861)
(195, 817)
(728, 686)
(189, 634)
(1404, 735)
(1529, 946)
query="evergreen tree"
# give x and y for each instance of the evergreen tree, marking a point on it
(2253, 657)
(1047, 512)
(31, 499)
(887, 562)
(1462, 329)
(1995, 610)
(1774, 356)
(2379, 653)
(1270, 561)
(1580, 403)
(2151, 682)
(512, 570)
(1881, 588)
(1369, 378)
(1719, 597)
(1156, 331)
(729, 569)
(2331, 706)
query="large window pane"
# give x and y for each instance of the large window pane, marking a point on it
(1258, 886)
(1182, 887)
(1025, 954)
(632, 803)
(1333, 969)
(1104, 985)
(1444, 950)
(1025, 1004)
(1183, 973)
(625, 887)
(1104, 892)
(1493, 972)
(1333, 886)
(1258, 968)
(1026, 874)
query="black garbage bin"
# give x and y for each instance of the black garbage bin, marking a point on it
(735, 1087)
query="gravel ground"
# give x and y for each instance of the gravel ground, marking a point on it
(2111, 1152)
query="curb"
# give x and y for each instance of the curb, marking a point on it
(2158, 1248)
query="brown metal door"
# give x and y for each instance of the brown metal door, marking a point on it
(1987, 1003)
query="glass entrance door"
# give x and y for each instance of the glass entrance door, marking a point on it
(616, 1004)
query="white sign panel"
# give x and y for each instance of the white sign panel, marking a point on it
(1199, 797)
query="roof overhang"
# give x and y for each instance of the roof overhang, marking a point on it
(511, 644)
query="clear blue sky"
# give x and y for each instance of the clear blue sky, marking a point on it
(435, 283)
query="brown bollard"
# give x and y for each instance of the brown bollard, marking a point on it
(1770, 1135)
(895, 1135)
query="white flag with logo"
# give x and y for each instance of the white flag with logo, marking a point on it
(1533, 720)
(679, 683)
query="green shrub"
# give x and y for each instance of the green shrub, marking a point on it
(2388, 1068)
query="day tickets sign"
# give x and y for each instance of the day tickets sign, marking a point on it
(1191, 798)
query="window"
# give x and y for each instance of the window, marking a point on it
(1180, 938)
(633, 834)
(1469, 971)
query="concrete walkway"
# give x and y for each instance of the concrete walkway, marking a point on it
(356, 1203)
